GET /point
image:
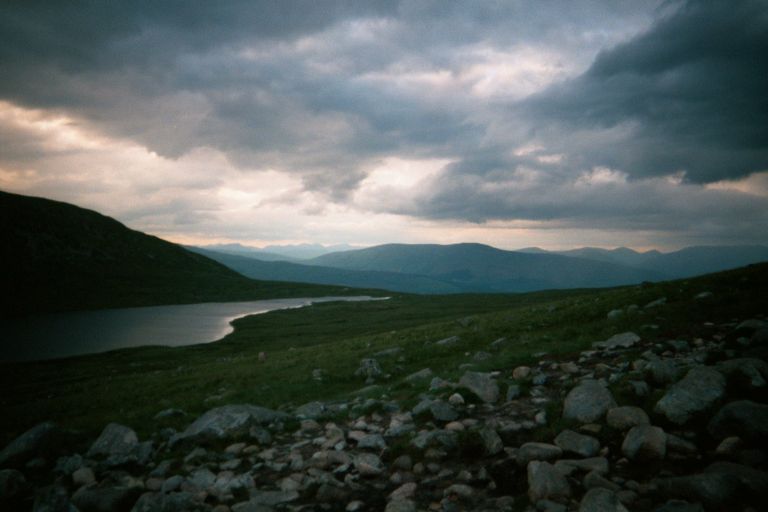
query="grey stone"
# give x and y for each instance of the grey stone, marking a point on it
(748, 372)
(656, 303)
(597, 464)
(601, 500)
(663, 371)
(400, 506)
(157, 502)
(420, 375)
(311, 410)
(229, 421)
(743, 418)
(513, 392)
(521, 373)
(482, 356)
(625, 417)
(83, 476)
(445, 342)
(106, 499)
(593, 479)
(270, 498)
(645, 442)
(368, 464)
(578, 444)
(388, 352)
(170, 413)
(754, 480)
(544, 482)
(35, 442)
(369, 368)
(615, 314)
(716, 491)
(115, 439)
(481, 384)
(588, 402)
(492, 443)
(537, 451)
(698, 391)
(372, 442)
(623, 340)
(442, 411)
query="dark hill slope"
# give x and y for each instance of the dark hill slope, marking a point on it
(55, 257)
(482, 267)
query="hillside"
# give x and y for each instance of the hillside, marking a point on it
(58, 257)
(456, 402)
(483, 268)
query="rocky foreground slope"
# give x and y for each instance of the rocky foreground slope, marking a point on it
(633, 424)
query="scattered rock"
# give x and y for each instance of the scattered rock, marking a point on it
(369, 368)
(578, 444)
(626, 417)
(521, 373)
(537, 451)
(588, 402)
(744, 418)
(545, 482)
(368, 464)
(115, 439)
(452, 340)
(229, 421)
(700, 389)
(644, 443)
(481, 384)
(420, 375)
(35, 442)
(601, 500)
(623, 340)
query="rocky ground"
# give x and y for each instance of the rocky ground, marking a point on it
(636, 423)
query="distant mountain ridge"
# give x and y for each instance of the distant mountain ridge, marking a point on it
(288, 252)
(431, 268)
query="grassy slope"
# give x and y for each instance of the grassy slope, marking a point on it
(131, 386)
(59, 257)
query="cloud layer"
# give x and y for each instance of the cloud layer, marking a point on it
(301, 120)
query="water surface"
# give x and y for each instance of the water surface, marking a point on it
(85, 332)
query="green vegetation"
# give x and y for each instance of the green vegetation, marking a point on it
(131, 386)
(58, 257)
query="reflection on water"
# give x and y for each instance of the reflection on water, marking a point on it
(85, 332)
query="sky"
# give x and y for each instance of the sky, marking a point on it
(556, 124)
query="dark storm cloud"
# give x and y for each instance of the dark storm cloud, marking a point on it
(690, 94)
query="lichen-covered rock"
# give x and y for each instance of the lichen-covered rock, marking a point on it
(698, 391)
(588, 402)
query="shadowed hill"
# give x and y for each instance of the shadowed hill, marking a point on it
(57, 257)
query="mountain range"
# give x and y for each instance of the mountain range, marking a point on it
(468, 267)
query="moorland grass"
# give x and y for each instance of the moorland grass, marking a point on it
(130, 386)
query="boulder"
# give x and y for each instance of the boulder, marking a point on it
(229, 421)
(38, 441)
(481, 384)
(716, 491)
(744, 418)
(545, 482)
(260, 499)
(663, 371)
(698, 391)
(623, 340)
(106, 499)
(645, 443)
(420, 375)
(601, 500)
(578, 444)
(588, 402)
(492, 443)
(746, 373)
(311, 410)
(368, 464)
(596, 464)
(442, 411)
(369, 368)
(115, 439)
(173, 502)
(626, 417)
(537, 451)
